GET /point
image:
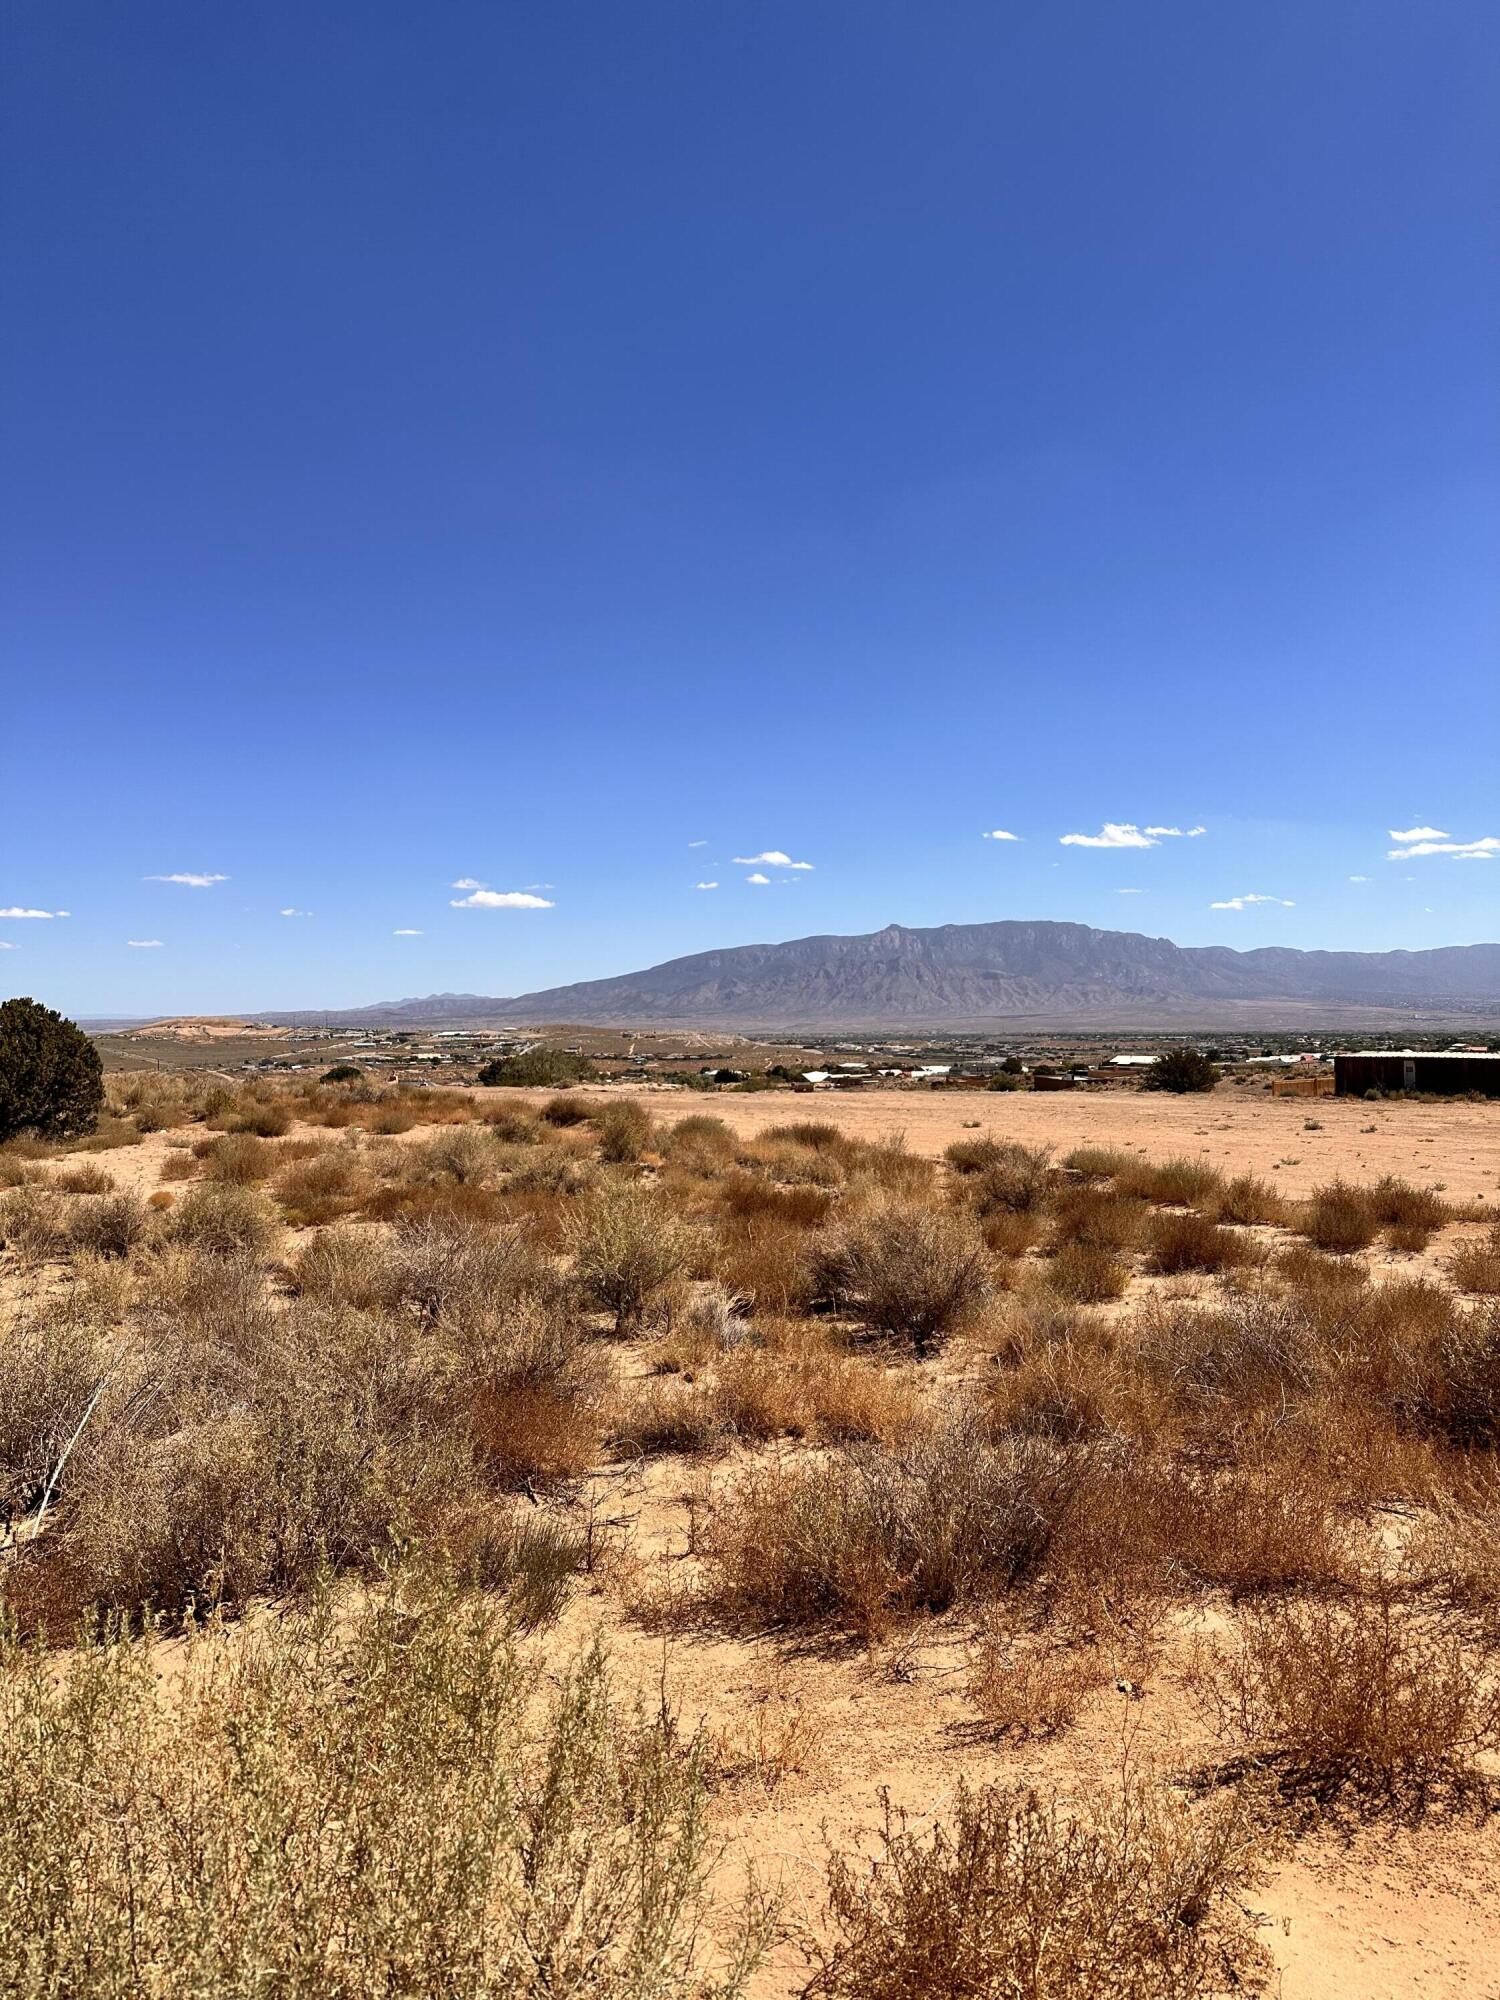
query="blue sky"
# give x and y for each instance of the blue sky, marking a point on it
(509, 444)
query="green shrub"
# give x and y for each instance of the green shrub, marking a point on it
(547, 1068)
(51, 1079)
(1181, 1070)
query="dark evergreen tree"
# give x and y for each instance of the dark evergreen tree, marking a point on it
(51, 1079)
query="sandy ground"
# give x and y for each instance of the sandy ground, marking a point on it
(1240, 1131)
(808, 1736)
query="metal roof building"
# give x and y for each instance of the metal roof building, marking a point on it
(1440, 1072)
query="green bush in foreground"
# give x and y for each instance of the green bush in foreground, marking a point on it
(329, 1807)
(51, 1079)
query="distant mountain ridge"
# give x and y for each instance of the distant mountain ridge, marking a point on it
(967, 975)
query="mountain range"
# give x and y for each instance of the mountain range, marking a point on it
(985, 976)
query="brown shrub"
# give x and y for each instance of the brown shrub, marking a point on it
(565, 1108)
(84, 1177)
(238, 1158)
(625, 1129)
(1099, 1217)
(1169, 1183)
(1087, 1274)
(1137, 1900)
(869, 1534)
(916, 1272)
(1249, 1202)
(1339, 1218)
(1191, 1242)
(626, 1245)
(1353, 1698)
(1474, 1266)
(224, 1220)
(108, 1225)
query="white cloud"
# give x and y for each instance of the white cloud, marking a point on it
(1114, 833)
(1175, 832)
(1000, 834)
(1417, 833)
(1244, 902)
(44, 916)
(6, 945)
(697, 843)
(406, 933)
(705, 885)
(1359, 878)
(1127, 892)
(467, 882)
(759, 881)
(772, 858)
(188, 881)
(296, 913)
(500, 899)
(144, 944)
(1434, 842)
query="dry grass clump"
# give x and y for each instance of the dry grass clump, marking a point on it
(1135, 1900)
(378, 1804)
(626, 1246)
(33, 1222)
(464, 1155)
(268, 1118)
(1474, 1265)
(1249, 1202)
(626, 1130)
(916, 1272)
(236, 1157)
(1339, 1218)
(1100, 1217)
(565, 1108)
(1100, 1163)
(1169, 1183)
(224, 1220)
(699, 1144)
(1397, 1204)
(665, 1414)
(512, 1124)
(320, 1186)
(108, 1225)
(871, 1534)
(1354, 1698)
(1191, 1242)
(1003, 1177)
(84, 1177)
(1087, 1274)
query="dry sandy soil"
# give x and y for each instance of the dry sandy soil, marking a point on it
(1373, 1912)
(1242, 1132)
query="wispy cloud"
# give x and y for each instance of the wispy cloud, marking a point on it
(697, 843)
(772, 858)
(406, 933)
(1245, 902)
(296, 913)
(1359, 878)
(467, 882)
(1128, 892)
(759, 881)
(1000, 834)
(705, 885)
(6, 945)
(44, 916)
(144, 944)
(1421, 841)
(1125, 833)
(499, 899)
(188, 880)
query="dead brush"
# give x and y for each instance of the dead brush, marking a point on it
(84, 1177)
(321, 1187)
(1086, 1274)
(699, 1145)
(1099, 1217)
(33, 1223)
(1338, 1218)
(1176, 1183)
(664, 1414)
(918, 1273)
(109, 1225)
(1474, 1266)
(237, 1158)
(626, 1130)
(1136, 1898)
(223, 1220)
(1356, 1700)
(1187, 1242)
(1249, 1202)
(872, 1534)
